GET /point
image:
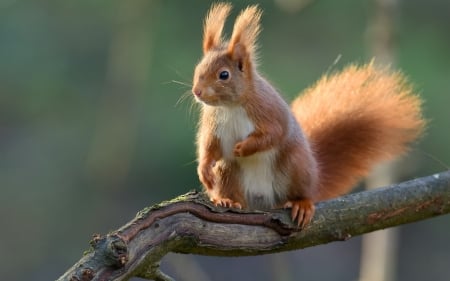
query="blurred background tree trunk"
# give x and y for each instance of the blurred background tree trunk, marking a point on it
(128, 69)
(379, 249)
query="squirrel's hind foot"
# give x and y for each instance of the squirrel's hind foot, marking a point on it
(302, 211)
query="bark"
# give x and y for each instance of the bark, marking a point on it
(190, 224)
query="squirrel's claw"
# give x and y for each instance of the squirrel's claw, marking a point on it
(226, 202)
(302, 211)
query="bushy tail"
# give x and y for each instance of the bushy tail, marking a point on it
(355, 119)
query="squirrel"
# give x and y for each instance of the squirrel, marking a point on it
(257, 152)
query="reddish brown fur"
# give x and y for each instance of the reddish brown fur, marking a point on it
(245, 31)
(355, 119)
(214, 24)
(349, 122)
(228, 191)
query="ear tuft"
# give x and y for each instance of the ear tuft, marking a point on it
(213, 26)
(245, 32)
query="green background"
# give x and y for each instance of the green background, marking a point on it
(93, 128)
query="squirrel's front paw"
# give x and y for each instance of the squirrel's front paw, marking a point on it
(243, 149)
(226, 202)
(238, 151)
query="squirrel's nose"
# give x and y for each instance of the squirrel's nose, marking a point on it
(197, 92)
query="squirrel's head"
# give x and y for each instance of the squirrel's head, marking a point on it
(227, 68)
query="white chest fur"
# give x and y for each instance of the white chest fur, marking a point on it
(257, 175)
(233, 125)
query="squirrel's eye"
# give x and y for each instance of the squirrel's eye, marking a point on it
(224, 75)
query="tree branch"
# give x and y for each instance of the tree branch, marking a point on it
(190, 224)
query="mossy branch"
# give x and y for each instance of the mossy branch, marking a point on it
(190, 224)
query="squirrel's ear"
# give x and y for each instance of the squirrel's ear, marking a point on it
(214, 21)
(242, 44)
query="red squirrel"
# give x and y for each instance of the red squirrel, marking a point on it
(256, 152)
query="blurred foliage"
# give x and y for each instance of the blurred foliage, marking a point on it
(92, 130)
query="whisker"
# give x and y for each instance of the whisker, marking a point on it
(178, 83)
(335, 62)
(437, 160)
(181, 83)
(190, 163)
(183, 97)
(192, 106)
(178, 73)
